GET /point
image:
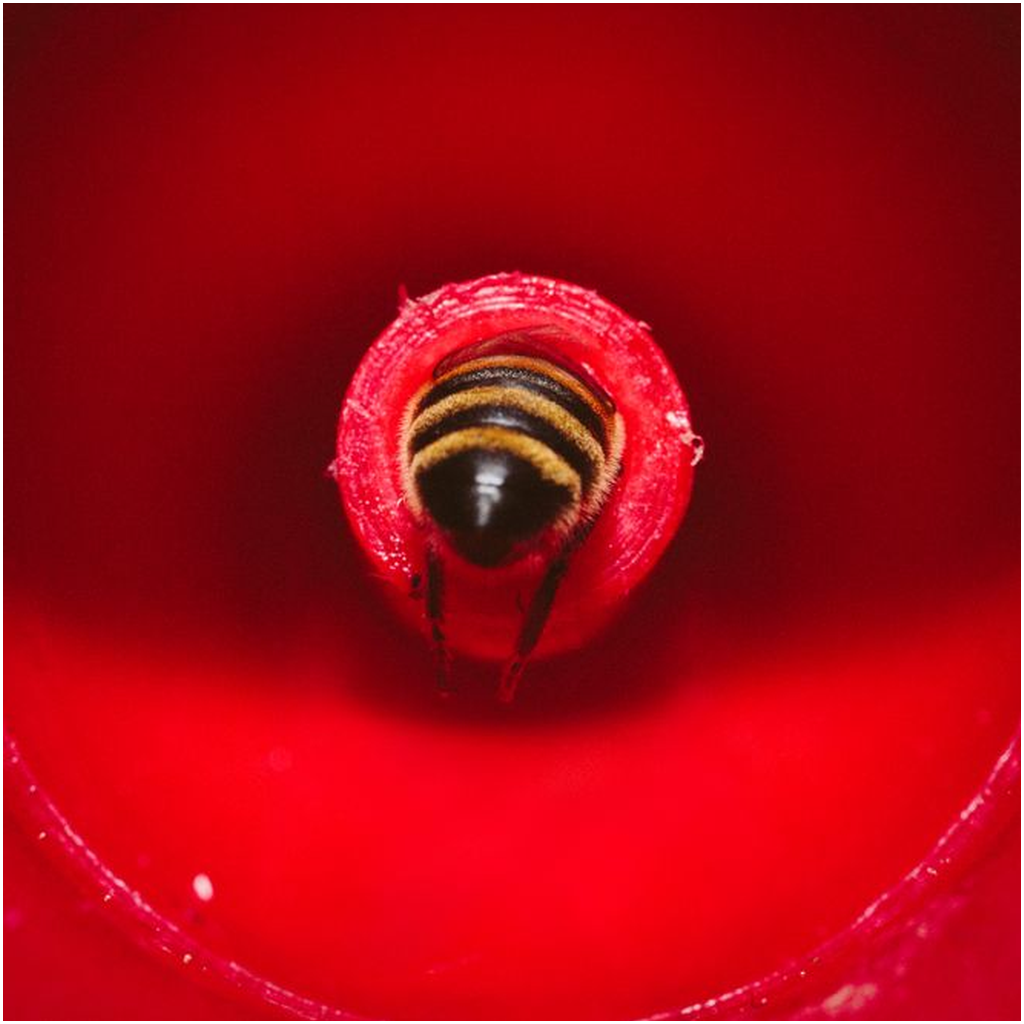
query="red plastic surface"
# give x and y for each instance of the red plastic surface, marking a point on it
(210, 212)
(484, 608)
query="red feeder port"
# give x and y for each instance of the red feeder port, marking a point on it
(603, 345)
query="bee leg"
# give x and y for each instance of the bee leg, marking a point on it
(435, 616)
(533, 625)
(540, 608)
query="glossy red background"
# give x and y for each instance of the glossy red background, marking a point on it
(208, 214)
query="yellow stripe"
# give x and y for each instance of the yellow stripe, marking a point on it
(551, 466)
(564, 422)
(557, 374)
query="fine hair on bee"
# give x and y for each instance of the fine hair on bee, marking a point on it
(507, 450)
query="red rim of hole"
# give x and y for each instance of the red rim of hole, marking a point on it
(610, 347)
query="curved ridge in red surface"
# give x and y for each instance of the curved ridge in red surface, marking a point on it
(794, 990)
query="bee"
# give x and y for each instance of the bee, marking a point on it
(508, 450)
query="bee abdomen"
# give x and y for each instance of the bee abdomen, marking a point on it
(516, 420)
(522, 378)
(489, 499)
(503, 446)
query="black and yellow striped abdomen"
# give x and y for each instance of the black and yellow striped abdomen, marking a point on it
(502, 447)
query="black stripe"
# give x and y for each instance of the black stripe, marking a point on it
(527, 380)
(486, 522)
(513, 419)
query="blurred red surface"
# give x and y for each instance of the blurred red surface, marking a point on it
(208, 213)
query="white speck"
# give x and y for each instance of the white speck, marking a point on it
(679, 420)
(32, 789)
(696, 443)
(203, 887)
(849, 999)
(107, 897)
(42, 835)
(971, 808)
(187, 958)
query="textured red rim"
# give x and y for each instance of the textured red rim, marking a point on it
(661, 450)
